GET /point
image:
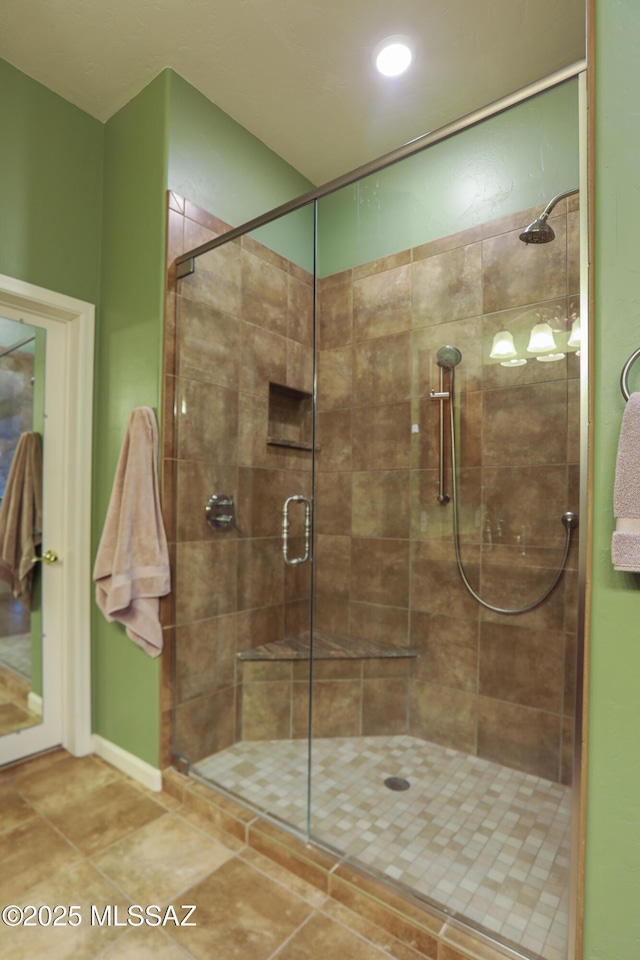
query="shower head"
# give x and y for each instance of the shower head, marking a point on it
(539, 231)
(448, 357)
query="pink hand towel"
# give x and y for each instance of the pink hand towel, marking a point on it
(625, 544)
(131, 571)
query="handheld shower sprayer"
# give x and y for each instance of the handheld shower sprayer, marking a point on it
(448, 358)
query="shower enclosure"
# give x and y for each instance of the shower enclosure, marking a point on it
(332, 668)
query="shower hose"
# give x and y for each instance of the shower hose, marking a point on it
(569, 520)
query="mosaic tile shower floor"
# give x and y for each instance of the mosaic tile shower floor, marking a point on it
(483, 840)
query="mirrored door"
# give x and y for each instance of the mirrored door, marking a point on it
(22, 362)
(32, 521)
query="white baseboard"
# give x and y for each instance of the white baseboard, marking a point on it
(150, 777)
(34, 703)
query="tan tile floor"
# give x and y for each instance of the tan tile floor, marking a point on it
(76, 832)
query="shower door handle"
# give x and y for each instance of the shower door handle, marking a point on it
(296, 561)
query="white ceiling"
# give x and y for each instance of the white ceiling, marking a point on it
(298, 74)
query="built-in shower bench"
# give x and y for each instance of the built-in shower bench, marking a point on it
(360, 687)
(326, 646)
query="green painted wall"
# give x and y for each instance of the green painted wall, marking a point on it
(169, 136)
(508, 163)
(224, 169)
(51, 197)
(612, 917)
(50, 189)
(51, 203)
(126, 704)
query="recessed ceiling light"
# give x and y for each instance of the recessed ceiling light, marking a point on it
(392, 56)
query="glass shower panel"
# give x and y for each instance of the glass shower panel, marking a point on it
(442, 719)
(244, 364)
(395, 407)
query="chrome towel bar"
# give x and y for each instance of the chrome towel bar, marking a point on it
(624, 376)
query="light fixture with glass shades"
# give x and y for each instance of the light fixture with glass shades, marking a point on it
(543, 343)
(551, 357)
(541, 339)
(546, 343)
(503, 349)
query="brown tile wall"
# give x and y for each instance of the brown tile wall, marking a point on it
(241, 321)
(498, 686)
(351, 698)
(489, 684)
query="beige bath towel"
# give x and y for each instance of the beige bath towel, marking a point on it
(625, 544)
(131, 571)
(21, 517)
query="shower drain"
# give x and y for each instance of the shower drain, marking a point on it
(397, 783)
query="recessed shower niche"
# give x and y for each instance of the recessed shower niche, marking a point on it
(290, 413)
(474, 708)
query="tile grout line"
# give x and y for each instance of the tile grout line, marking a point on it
(361, 936)
(280, 882)
(301, 926)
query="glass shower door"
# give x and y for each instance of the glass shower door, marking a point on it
(362, 646)
(244, 384)
(441, 725)
(376, 705)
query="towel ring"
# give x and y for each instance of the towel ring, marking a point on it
(624, 376)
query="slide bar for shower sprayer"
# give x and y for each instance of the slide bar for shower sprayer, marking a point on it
(441, 395)
(185, 265)
(447, 358)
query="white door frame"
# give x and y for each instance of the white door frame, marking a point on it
(74, 394)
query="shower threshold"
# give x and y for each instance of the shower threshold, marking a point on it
(489, 843)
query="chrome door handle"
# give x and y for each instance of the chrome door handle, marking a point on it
(296, 561)
(49, 557)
